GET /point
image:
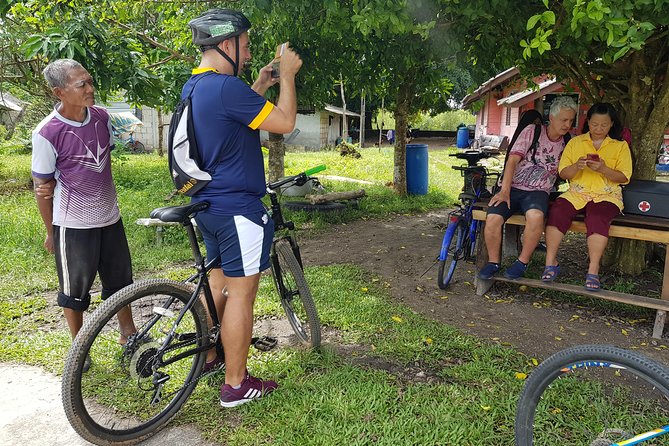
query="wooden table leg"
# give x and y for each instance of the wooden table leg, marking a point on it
(660, 317)
(482, 286)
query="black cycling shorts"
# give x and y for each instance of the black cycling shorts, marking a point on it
(83, 253)
(521, 201)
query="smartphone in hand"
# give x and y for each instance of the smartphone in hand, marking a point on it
(276, 64)
(592, 157)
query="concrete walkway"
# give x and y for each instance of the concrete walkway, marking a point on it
(31, 413)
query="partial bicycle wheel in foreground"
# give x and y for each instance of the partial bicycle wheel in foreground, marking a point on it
(120, 399)
(594, 395)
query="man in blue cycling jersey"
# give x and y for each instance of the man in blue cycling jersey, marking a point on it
(227, 116)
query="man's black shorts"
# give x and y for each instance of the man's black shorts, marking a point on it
(521, 201)
(81, 254)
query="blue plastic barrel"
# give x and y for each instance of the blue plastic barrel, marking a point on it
(462, 137)
(416, 162)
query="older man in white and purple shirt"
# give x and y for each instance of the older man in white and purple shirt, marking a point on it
(71, 147)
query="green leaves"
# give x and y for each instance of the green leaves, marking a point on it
(547, 18)
(53, 44)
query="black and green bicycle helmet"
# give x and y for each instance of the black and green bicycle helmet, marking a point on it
(216, 25)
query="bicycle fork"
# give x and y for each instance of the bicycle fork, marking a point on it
(448, 235)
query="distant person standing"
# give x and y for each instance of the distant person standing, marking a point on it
(71, 152)
(391, 136)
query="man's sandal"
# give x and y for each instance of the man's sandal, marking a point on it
(592, 282)
(550, 273)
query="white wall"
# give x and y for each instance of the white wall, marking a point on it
(312, 134)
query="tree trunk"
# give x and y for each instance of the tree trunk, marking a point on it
(380, 125)
(648, 117)
(361, 134)
(161, 131)
(344, 118)
(277, 151)
(401, 120)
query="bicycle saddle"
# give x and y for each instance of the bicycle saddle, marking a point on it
(180, 214)
(474, 156)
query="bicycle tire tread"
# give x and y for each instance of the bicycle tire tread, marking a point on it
(285, 251)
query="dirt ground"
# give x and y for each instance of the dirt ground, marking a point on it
(399, 249)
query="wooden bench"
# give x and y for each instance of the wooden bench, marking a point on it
(624, 226)
(159, 225)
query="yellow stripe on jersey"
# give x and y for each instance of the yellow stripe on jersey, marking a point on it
(203, 70)
(264, 113)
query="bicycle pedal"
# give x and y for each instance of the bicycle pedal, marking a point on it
(264, 343)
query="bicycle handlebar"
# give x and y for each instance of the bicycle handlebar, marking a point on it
(296, 178)
(314, 170)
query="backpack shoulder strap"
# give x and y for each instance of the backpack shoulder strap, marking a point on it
(566, 138)
(535, 142)
(190, 93)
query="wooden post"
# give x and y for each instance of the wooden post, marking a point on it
(511, 241)
(661, 316)
(159, 235)
(482, 286)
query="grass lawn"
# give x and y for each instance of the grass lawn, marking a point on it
(395, 377)
(142, 183)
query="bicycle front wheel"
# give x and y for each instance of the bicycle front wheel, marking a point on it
(295, 295)
(451, 251)
(129, 392)
(593, 395)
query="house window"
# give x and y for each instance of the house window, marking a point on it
(508, 115)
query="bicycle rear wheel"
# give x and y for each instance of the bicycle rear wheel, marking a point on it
(128, 394)
(451, 251)
(295, 295)
(138, 147)
(593, 395)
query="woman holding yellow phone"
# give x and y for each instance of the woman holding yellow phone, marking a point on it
(596, 163)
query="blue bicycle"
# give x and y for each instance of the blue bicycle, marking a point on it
(459, 241)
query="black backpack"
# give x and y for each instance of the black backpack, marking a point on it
(527, 118)
(183, 156)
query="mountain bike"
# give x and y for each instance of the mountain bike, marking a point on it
(459, 242)
(594, 395)
(132, 390)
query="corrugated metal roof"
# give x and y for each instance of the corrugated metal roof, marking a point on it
(489, 85)
(340, 111)
(525, 96)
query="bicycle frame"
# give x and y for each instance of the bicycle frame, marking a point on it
(202, 284)
(637, 439)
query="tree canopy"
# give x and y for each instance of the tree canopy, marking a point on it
(391, 49)
(614, 51)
